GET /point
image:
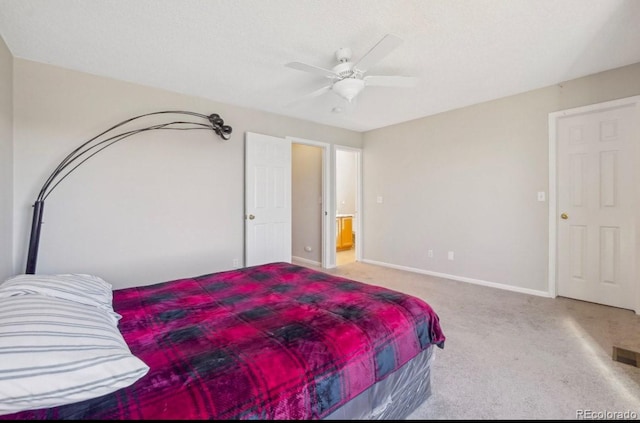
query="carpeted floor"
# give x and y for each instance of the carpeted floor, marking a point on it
(516, 356)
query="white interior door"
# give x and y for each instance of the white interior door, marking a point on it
(596, 245)
(267, 199)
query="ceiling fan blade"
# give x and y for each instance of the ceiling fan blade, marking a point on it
(390, 81)
(312, 94)
(312, 69)
(318, 92)
(385, 46)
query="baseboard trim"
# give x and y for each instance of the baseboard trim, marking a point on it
(307, 261)
(462, 279)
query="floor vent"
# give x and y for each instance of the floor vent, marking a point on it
(626, 356)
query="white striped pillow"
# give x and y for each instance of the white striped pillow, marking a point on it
(55, 352)
(81, 288)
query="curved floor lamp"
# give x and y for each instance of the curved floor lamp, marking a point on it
(95, 145)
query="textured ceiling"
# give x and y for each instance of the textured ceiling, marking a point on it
(235, 51)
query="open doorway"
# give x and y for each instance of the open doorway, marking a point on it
(306, 205)
(309, 206)
(324, 188)
(347, 205)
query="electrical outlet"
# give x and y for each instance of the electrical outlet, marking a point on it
(236, 263)
(430, 253)
(450, 255)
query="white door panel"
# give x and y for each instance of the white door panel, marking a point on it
(267, 199)
(596, 198)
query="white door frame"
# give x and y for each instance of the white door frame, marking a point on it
(553, 182)
(327, 204)
(358, 227)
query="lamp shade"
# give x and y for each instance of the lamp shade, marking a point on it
(348, 88)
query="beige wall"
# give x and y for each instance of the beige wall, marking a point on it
(467, 180)
(155, 207)
(306, 210)
(6, 161)
(169, 206)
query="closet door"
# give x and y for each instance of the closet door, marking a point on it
(596, 205)
(267, 199)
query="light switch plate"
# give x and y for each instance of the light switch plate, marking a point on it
(542, 196)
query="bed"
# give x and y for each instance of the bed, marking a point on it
(274, 341)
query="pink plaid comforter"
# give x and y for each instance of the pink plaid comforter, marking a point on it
(276, 341)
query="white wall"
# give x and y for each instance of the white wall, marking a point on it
(306, 210)
(466, 181)
(155, 207)
(6, 162)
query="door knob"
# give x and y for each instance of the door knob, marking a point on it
(564, 216)
(251, 217)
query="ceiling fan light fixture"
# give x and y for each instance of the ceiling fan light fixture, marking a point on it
(347, 79)
(348, 88)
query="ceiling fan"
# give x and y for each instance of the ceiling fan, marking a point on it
(347, 79)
